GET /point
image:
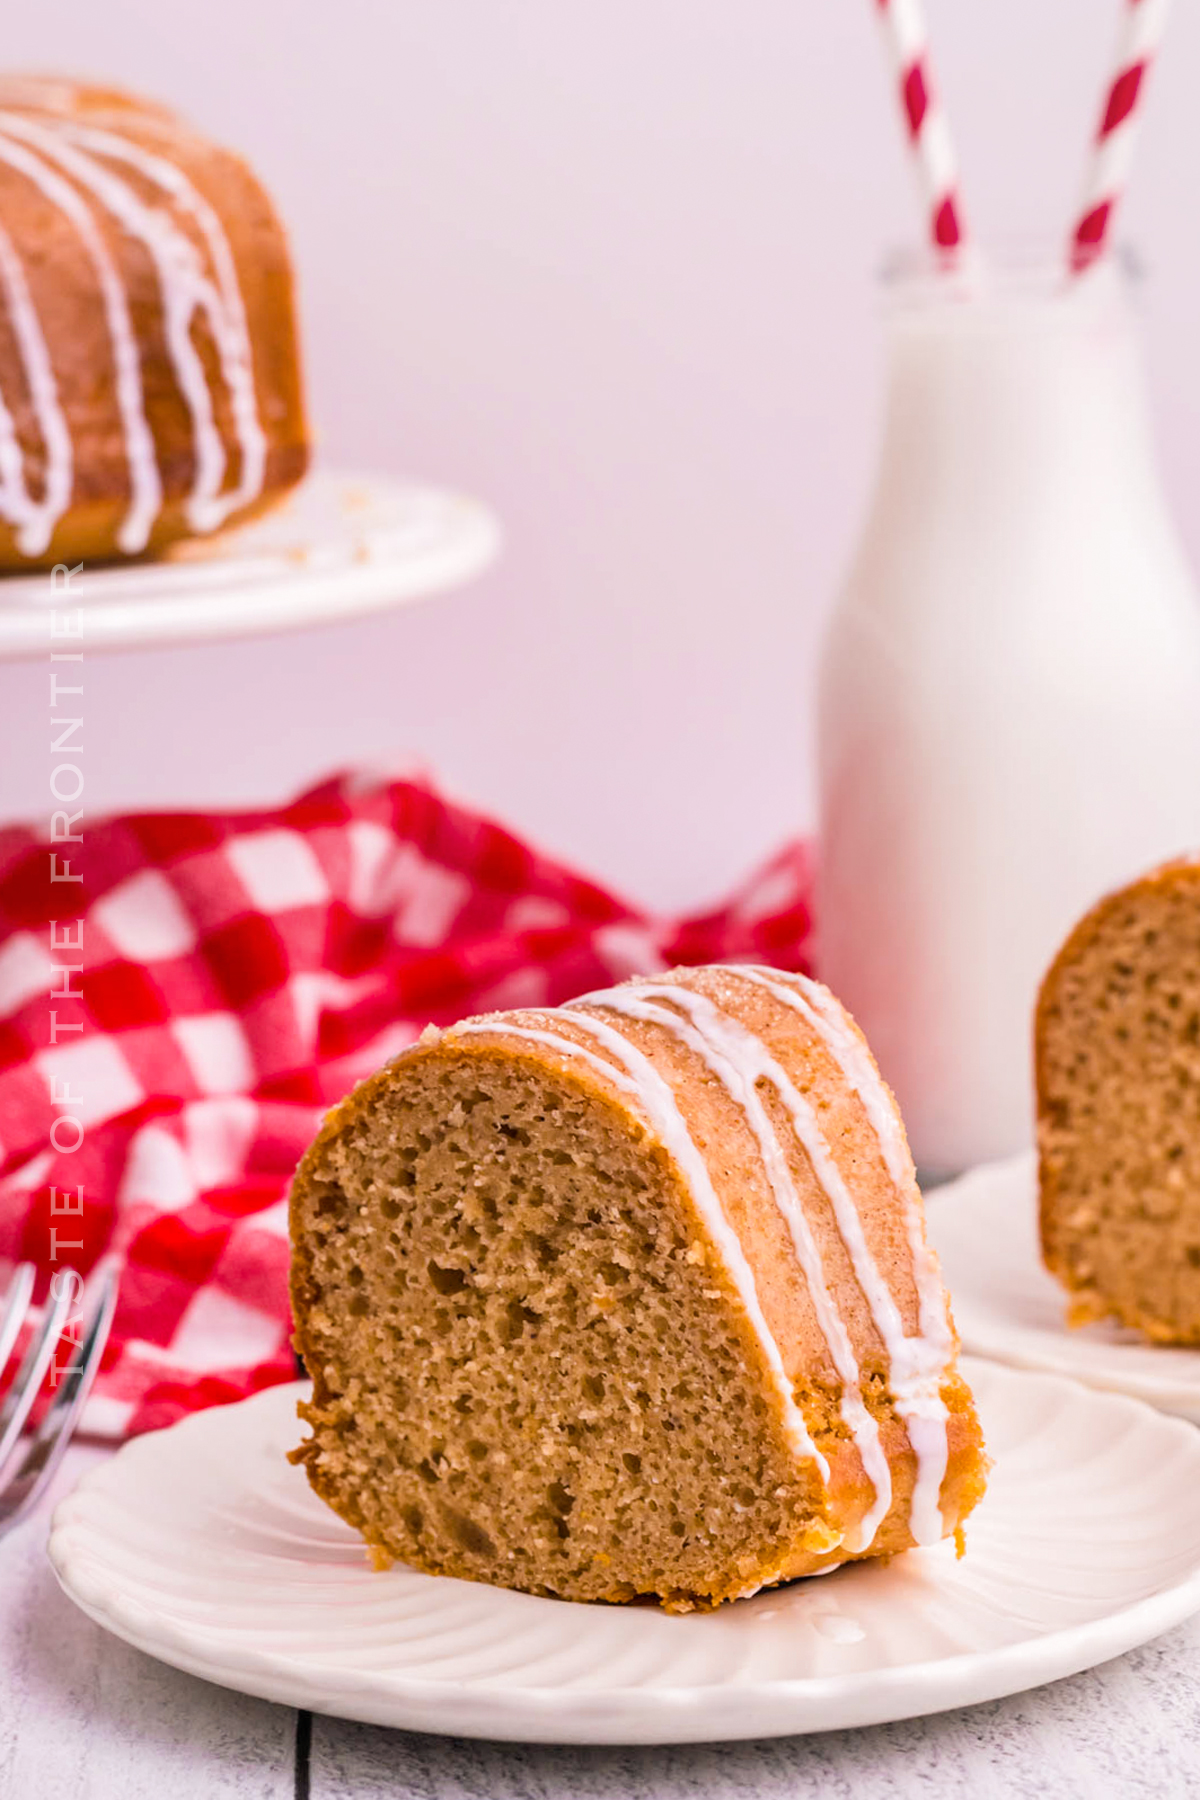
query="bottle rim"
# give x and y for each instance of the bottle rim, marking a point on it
(914, 276)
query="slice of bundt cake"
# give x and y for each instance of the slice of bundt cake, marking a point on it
(1118, 1086)
(630, 1297)
(149, 373)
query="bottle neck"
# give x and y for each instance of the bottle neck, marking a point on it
(1013, 400)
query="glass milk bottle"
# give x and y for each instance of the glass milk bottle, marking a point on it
(1009, 718)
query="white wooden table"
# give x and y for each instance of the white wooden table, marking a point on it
(82, 1717)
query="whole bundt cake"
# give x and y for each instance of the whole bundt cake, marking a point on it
(149, 376)
(1118, 1081)
(630, 1297)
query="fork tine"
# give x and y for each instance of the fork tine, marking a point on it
(58, 1423)
(16, 1305)
(32, 1372)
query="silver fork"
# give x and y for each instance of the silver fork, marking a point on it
(24, 1476)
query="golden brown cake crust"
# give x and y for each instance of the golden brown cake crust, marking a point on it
(1117, 1053)
(352, 1195)
(100, 193)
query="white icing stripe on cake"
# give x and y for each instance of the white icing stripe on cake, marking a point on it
(145, 485)
(721, 1043)
(552, 1040)
(916, 1389)
(34, 520)
(816, 1004)
(228, 319)
(654, 1094)
(186, 293)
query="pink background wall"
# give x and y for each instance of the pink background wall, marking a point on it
(609, 267)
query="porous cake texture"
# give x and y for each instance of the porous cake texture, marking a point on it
(630, 1297)
(149, 372)
(1118, 1086)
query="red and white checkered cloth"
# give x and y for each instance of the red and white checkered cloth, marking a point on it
(239, 971)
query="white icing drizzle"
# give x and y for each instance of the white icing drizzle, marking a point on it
(737, 1059)
(223, 307)
(34, 519)
(553, 1041)
(186, 292)
(146, 487)
(917, 1381)
(818, 1006)
(654, 1095)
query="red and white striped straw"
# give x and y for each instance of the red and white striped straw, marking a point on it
(1141, 32)
(929, 135)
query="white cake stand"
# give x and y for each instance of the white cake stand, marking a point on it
(336, 548)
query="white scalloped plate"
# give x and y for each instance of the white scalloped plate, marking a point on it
(202, 1546)
(338, 546)
(1008, 1306)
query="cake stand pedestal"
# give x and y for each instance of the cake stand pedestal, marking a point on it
(338, 547)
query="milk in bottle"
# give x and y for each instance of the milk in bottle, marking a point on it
(1009, 718)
